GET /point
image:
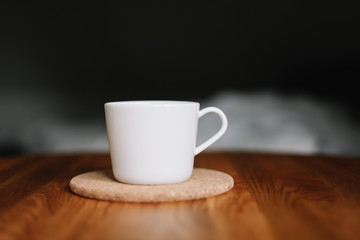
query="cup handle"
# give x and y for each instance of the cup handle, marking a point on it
(218, 134)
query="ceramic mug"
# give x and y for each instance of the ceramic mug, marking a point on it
(154, 142)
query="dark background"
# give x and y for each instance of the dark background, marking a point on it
(84, 54)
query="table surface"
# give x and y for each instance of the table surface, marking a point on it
(274, 197)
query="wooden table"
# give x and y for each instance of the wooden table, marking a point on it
(274, 197)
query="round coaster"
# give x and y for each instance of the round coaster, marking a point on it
(103, 186)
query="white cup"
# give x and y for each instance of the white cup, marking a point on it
(154, 142)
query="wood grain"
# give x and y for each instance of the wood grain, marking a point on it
(275, 197)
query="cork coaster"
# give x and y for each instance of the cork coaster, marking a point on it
(102, 185)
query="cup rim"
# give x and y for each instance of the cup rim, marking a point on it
(157, 103)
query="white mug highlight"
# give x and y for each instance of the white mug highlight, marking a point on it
(154, 142)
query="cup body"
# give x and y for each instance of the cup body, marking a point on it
(152, 142)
